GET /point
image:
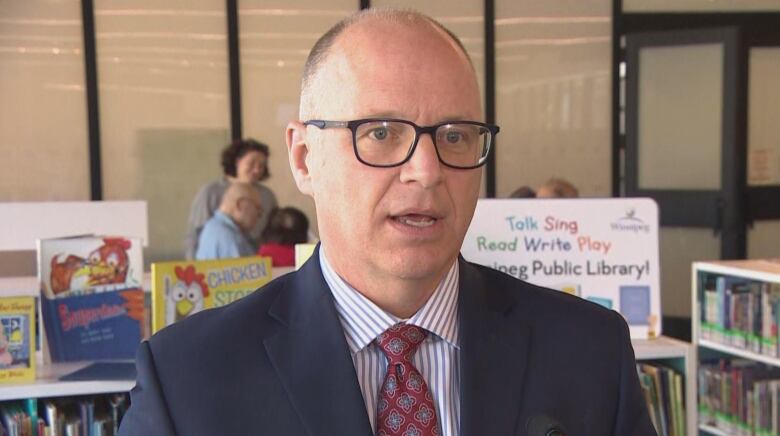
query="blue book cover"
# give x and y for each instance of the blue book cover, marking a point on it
(635, 304)
(98, 326)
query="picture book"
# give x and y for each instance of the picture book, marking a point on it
(92, 302)
(17, 339)
(181, 289)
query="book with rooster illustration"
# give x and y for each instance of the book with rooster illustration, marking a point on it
(92, 300)
(181, 289)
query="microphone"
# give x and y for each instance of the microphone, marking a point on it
(542, 425)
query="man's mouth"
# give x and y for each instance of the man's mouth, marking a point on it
(416, 220)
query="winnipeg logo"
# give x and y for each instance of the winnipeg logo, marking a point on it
(630, 223)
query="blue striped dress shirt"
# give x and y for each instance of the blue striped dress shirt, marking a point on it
(437, 359)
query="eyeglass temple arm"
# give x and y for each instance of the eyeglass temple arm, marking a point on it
(322, 124)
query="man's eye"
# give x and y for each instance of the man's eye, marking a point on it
(380, 133)
(453, 137)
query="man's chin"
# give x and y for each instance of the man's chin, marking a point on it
(421, 266)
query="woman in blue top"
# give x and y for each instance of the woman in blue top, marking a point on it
(242, 161)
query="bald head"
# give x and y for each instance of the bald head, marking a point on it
(352, 28)
(242, 203)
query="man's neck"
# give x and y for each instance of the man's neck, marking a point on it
(397, 296)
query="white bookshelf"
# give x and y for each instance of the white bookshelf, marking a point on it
(760, 270)
(682, 356)
(47, 384)
(738, 352)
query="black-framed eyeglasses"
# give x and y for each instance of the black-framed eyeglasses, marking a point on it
(387, 142)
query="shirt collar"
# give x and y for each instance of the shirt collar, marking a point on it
(226, 219)
(363, 321)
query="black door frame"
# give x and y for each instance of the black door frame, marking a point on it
(717, 209)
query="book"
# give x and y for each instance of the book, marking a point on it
(181, 289)
(679, 404)
(656, 378)
(740, 312)
(741, 396)
(302, 253)
(17, 339)
(92, 302)
(651, 398)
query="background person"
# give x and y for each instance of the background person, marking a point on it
(226, 233)
(288, 226)
(244, 161)
(557, 188)
(386, 329)
(523, 192)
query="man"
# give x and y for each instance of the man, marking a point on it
(226, 234)
(385, 330)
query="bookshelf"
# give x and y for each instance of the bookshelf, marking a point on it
(680, 356)
(715, 340)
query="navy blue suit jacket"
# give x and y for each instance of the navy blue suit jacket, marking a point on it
(276, 363)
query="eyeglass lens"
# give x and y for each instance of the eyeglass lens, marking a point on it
(389, 142)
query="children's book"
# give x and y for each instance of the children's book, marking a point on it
(17, 339)
(92, 300)
(181, 289)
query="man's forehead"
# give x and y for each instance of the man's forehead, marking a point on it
(405, 50)
(393, 35)
(394, 69)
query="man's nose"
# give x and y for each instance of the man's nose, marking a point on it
(424, 166)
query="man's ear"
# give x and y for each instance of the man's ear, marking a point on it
(297, 153)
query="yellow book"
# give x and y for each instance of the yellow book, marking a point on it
(181, 289)
(17, 339)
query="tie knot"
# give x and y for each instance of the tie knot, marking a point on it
(400, 342)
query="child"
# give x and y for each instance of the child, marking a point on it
(288, 226)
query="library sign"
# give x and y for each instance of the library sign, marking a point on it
(603, 250)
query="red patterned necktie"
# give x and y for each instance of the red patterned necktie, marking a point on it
(405, 405)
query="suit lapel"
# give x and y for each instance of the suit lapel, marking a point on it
(494, 355)
(312, 359)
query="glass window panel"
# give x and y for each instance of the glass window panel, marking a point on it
(699, 5)
(764, 240)
(679, 248)
(275, 39)
(553, 94)
(764, 106)
(44, 153)
(164, 107)
(680, 113)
